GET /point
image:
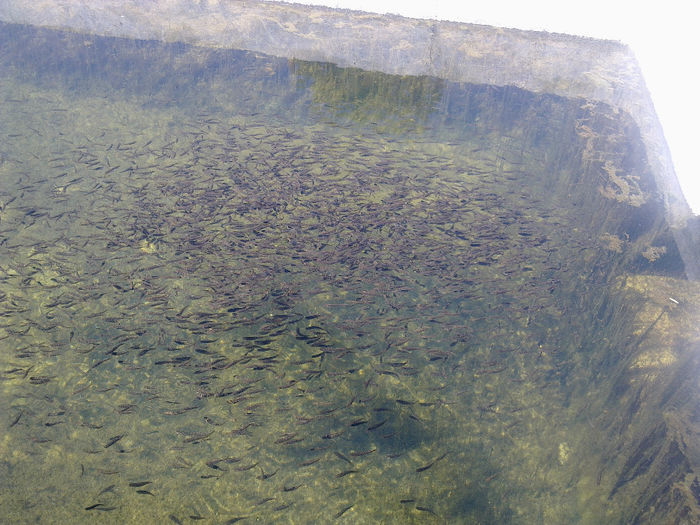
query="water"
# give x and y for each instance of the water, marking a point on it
(241, 287)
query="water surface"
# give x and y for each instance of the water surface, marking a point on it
(240, 287)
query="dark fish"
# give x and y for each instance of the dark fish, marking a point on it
(98, 363)
(236, 519)
(106, 489)
(113, 440)
(377, 425)
(426, 467)
(284, 438)
(196, 438)
(362, 453)
(333, 435)
(100, 506)
(16, 419)
(139, 483)
(343, 511)
(40, 380)
(266, 476)
(310, 462)
(246, 467)
(341, 456)
(214, 464)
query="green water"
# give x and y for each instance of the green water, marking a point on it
(236, 286)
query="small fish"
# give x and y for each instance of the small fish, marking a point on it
(113, 440)
(343, 511)
(333, 435)
(196, 438)
(16, 419)
(139, 483)
(106, 489)
(263, 475)
(362, 453)
(100, 506)
(286, 437)
(236, 519)
(377, 425)
(246, 467)
(426, 467)
(309, 462)
(341, 456)
(214, 464)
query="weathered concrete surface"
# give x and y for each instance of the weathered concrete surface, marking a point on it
(545, 62)
(569, 66)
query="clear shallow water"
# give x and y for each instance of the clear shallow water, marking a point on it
(237, 286)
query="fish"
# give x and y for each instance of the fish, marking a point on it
(426, 467)
(343, 511)
(309, 462)
(139, 483)
(113, 440)
(362, 453)
(236, 520)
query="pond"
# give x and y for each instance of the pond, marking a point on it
(235, 287)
